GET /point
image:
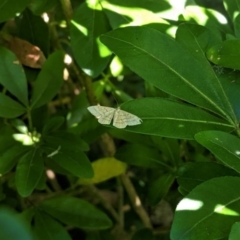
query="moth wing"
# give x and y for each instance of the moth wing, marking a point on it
(103, 114)
(123, 118)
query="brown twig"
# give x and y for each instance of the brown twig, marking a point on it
(135, 200)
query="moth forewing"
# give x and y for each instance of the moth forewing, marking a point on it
(103, 114)
(120, 118)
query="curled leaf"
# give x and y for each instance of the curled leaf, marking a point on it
(28, 54)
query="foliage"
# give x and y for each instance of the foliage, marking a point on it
(176, 66)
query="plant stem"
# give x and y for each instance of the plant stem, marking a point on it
(135, 200)
(67, 10)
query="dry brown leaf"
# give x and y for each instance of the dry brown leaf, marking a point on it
(28, 54)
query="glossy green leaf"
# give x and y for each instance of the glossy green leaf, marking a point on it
(49, 80)
(160, 187)
(66, 150)
(235, 231)
(76, 162)
(53, 124)
(167, 65)
(197, 39)
(45, 227)
(34, 30)
(12, 227)
(226, 54)
(9, 8)
(29, 171)
(192, 174)
(208, 211)
(224, 146)
(76, 212)
(9, 108)
(88, 23)
(12, 76)
(40, 6)
(10, 157)
(139, 155)
(162, 117)
(67, 140)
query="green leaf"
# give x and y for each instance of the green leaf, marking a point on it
(160, 187)
(6, 141)
(45, 227)
(40, 6)
(10, 108)
(224, 146)
(65, 139)
(9, 8)
(88, 23)
(232, 7)
(12, 76)
(76, 212)
(208, 211)
(139, 155)
(12, 227)
(49, 80)
(41, 185)
(167, 65)
(74, 161)
(29, 171)
(10, 157)
(66, 150)
(162, 117)
(34, 30)
(53, 124)
(226, 54)
(236, 24)
(197, 39)
(235, 231)
(192, 174)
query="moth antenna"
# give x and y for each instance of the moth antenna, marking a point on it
(115, 92)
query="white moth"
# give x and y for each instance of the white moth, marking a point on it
(121, 118)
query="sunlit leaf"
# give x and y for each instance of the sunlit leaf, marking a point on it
(224, 146)
(88, 23)
(154, 62)
(209, 210)
(105, 169)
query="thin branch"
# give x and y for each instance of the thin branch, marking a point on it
(135, 200)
